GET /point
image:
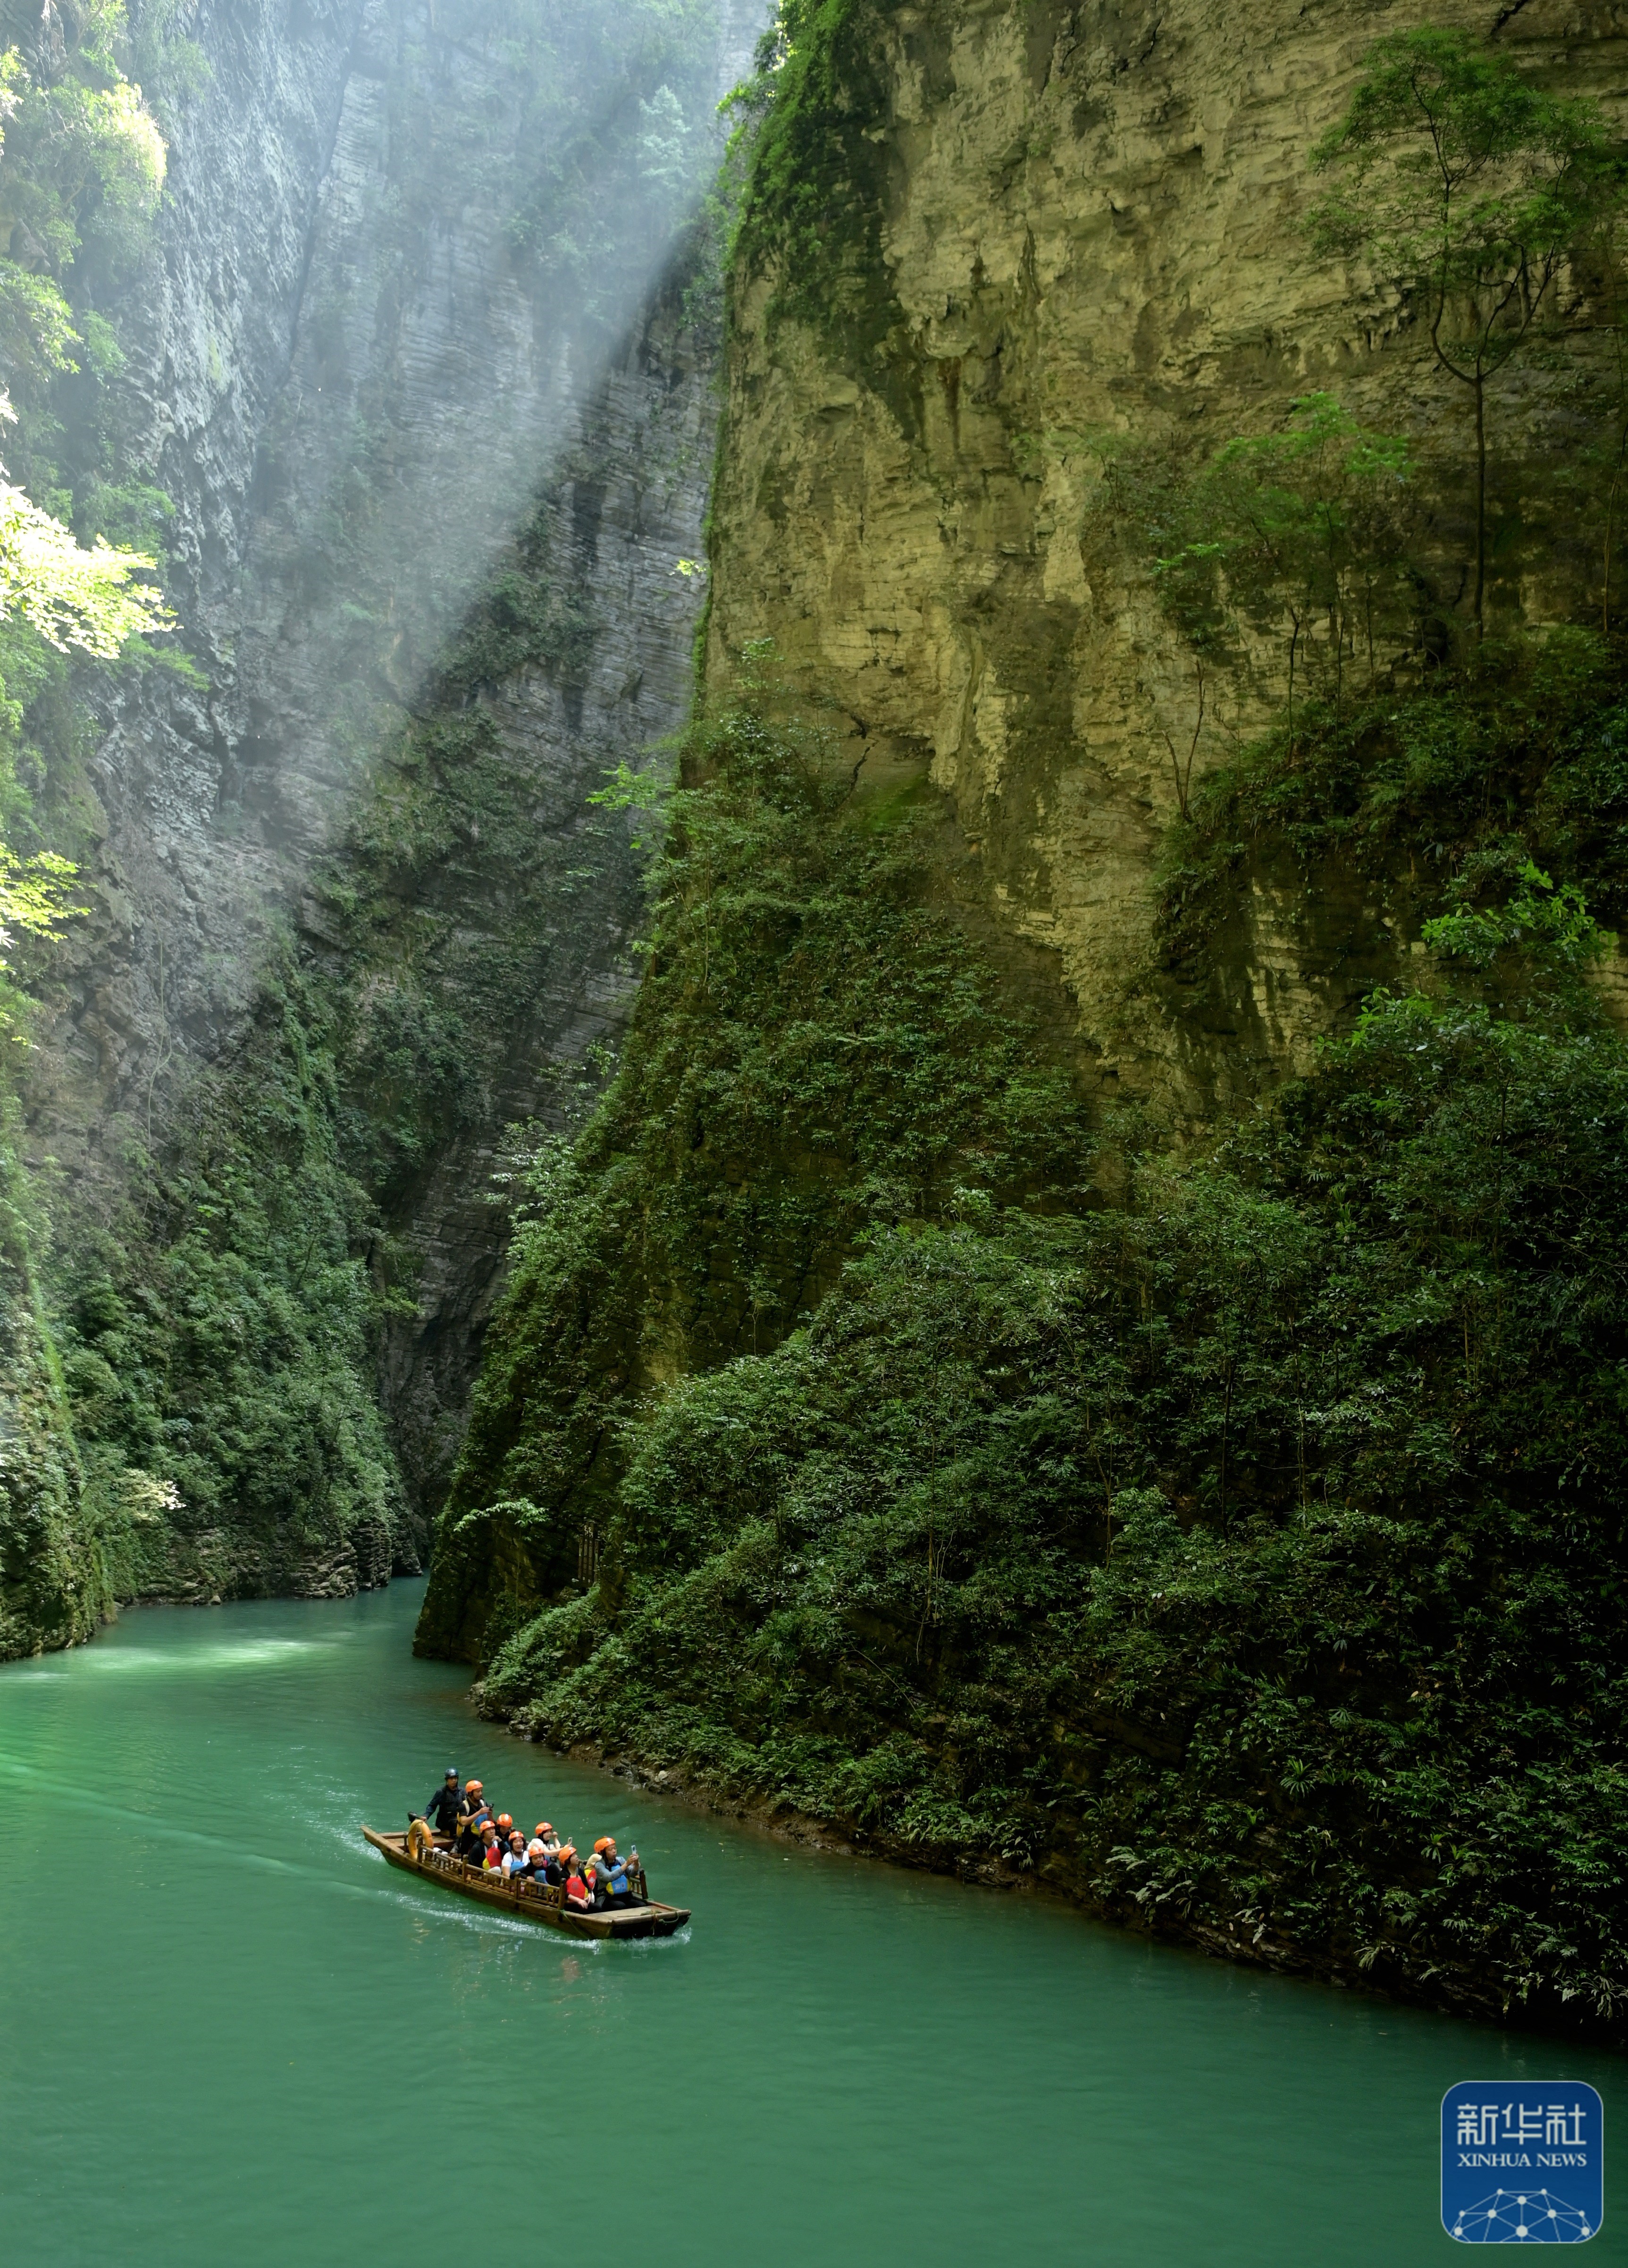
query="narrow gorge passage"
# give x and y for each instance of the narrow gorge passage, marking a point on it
(813, 1029)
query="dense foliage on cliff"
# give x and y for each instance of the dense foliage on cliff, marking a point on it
(1251, 1553)
(1436, 795)
(815, 1048)
(1245, 1554)
(216, 1349)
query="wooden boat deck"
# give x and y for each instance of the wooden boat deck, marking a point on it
(539, 1902)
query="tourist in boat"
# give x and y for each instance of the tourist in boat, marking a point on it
(478, 1811)
(575, 1889)
(613, 1872)
(537, 1858)
(549, 1839)
(491, 1851)
(515, 1861)
(472, 1821)
(445, 1805)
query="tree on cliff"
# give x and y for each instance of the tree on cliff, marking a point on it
(72, 596)
(1302, 527)
(1468, 189)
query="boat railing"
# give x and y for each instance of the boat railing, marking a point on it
(551, 1894)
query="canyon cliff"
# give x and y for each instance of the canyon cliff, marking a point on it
(416, 354)
(1053, 231)
(1062, 1351)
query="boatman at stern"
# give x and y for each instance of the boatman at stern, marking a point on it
(445, 1805)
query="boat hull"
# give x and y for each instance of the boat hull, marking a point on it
(527, 1901)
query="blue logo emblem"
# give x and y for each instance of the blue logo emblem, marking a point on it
(1522, 2164)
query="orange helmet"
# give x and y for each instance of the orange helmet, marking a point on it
(472, 1786)
(505, 1821)
(605, 1843)
(544, 1826)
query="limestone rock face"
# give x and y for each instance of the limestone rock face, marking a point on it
(361, 383)
(1080, 222)
(353, 389)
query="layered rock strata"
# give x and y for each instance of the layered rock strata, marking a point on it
(1056, 230)
(367, 357)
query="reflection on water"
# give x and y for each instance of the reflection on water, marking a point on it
(225, 2025)
(191, 1661)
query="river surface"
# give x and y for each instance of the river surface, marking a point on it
(230, 2033)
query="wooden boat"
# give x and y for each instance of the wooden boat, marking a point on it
(433, 1858)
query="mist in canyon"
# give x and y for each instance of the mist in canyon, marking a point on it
(421, 335)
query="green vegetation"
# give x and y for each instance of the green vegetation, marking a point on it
(1463, 182)
(810, 186)
(217, 1348)
(81, 168)
(816, 1047)
(610, 180)
(1239, 1554)
(1234, 1556)
(68, 595)
(55, 1584)
(1299, 535)
(1438, 796)
(82, 165)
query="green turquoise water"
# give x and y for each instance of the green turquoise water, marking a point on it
(229, 2032)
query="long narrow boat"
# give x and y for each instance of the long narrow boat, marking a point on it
(542, 1901)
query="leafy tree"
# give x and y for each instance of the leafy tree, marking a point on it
(73, 595)
(1552, 927)
(33, 895)
(1467, 187)
(82, 163)
(663, 155)
(1304, 528)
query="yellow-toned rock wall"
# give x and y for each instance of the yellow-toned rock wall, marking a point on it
(1093, 223)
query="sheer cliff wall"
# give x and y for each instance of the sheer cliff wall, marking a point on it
(415, 335)
(1051, 227)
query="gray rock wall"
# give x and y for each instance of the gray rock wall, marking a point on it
(393, 326)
